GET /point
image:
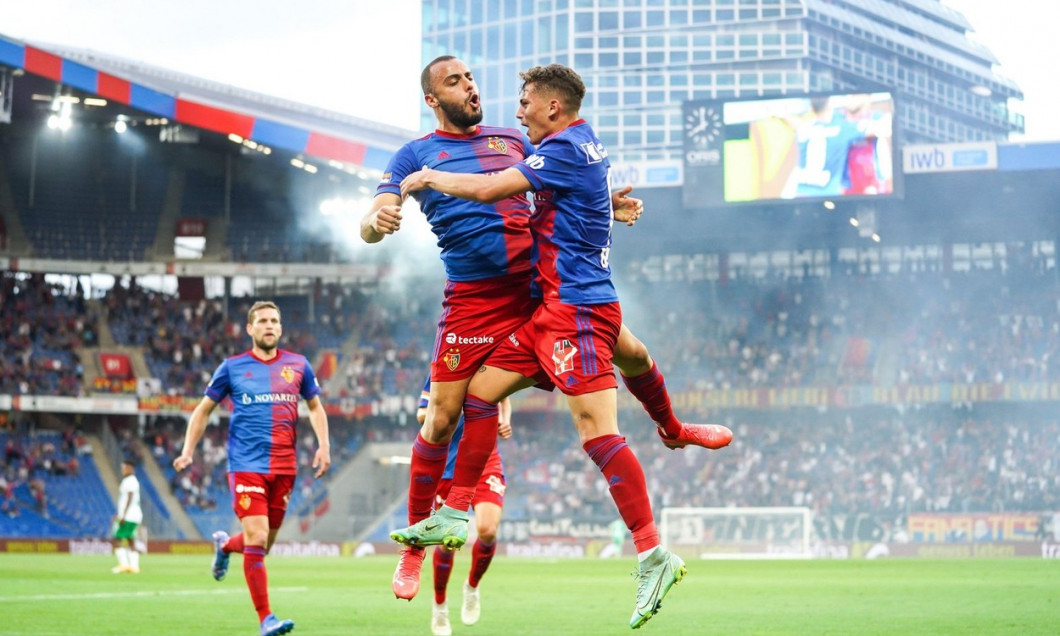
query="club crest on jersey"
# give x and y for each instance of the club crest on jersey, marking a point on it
(452, 359)
(244, 502)
(563, 353)
(498, 144)
(287, 373)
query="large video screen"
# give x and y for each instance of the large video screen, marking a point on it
(817, 146)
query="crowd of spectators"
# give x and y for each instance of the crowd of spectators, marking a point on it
(980, 326)
(42, 328)
(29, 461)
(183, 342)
(879, 463)
(885, 329)
(890, 329)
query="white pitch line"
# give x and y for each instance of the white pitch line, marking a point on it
(141, 594)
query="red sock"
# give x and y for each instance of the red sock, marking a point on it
(257, 579)
(650, 389)
(443, 567)
(428, 464)
(625, 477)
(476, 446)
(234, 543)
(481, 555)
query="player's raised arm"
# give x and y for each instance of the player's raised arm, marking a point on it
(383, 218)
(473, 187)
(196, 427)
(318, 419)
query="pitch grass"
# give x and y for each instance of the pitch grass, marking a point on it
(49, 595)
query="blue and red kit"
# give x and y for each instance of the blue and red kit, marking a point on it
(485, 246)
(572, 335)
(570, 175)
(478, 240)
(262, 430)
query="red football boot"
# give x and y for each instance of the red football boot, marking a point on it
(407, 576)
(713, 436)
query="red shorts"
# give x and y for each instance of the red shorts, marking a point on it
(476, 316)
(570, 346)
(491, 485)
(261, 494)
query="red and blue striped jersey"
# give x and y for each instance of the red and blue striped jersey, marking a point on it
(570, 175)
(478, 240)
(265, 393)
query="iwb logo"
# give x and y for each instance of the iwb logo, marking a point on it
(563, 353)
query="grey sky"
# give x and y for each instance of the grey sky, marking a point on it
(362, 56)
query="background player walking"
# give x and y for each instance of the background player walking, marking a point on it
(126, 521)
(265, 384)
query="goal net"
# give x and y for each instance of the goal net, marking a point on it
(737, 533)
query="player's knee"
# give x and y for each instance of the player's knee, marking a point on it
(256, 539)
(487, 532)
(440, 429)
(633, 359)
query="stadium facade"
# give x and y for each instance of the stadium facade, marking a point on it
(642, 58)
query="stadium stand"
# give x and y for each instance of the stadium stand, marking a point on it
(49, 491)
(115, 203)
(44, 327)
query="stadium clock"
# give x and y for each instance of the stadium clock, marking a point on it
(702, 125)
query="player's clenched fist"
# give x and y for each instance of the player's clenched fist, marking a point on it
(387, 219)
(181, 462)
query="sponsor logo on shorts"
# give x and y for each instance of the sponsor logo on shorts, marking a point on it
(496, 485)
(240, 488)
(563, 353)
(452, 338)
(244, 502)
(452, 359)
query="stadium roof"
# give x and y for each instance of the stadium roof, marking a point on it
(208, 105)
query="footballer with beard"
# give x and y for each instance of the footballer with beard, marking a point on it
(265, 385)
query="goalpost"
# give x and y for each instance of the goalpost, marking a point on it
(738, 533)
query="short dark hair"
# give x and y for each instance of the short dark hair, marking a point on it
(130, 461)
(261, 304)
(559, 80)
(425, 75)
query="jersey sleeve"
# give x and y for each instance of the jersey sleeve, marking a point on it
(310, 387)
(401, 165)
(553, 166)
(220, 384)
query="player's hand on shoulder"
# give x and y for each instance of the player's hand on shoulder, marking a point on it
(415, 182)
